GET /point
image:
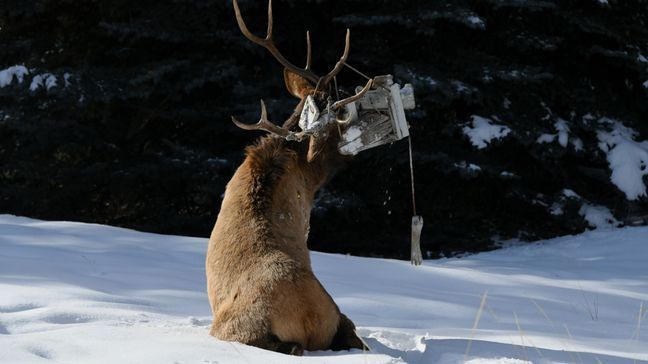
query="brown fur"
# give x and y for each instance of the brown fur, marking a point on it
(261, 287)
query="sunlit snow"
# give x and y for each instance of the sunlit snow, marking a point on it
(83, 293)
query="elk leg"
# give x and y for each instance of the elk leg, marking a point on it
(290, 348)
(345, 338)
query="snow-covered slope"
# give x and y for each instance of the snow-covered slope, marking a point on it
(82, 293)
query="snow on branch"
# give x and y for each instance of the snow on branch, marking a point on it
(627, 158)
(484, 131)
(7, 75)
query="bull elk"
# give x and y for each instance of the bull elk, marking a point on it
(260, 283)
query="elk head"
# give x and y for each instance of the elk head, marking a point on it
(302, 83)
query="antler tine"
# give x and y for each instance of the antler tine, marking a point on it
(264, 124)
(268, 43)
(338, 66)
(308, 51)
(339, 104)
(241, 23)
(270, 20)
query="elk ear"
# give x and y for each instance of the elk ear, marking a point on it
(297, 85)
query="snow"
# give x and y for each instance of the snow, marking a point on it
(598, 216)
(563, 132)
(461, 87)
(7, 75)
(577, 143)
(645, 84)
(570, 193)
(556, 209)
(484, 130)
(562, 135)
(471, 167)
(66, 79)
(627, 158)
(546, 138)
(476, 22)
(352, 139)
(587, 118)
(46, 80)
(84, 293)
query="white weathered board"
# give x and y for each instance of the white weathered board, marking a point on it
(378, 118)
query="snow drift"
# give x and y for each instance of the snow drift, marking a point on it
(83, 293)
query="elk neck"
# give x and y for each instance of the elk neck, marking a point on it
(278, 183)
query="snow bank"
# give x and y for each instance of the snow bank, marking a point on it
(627, 158)
(84, 293)
(7, 75)
(598, 216)
(483, 131)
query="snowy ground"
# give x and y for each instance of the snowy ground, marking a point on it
(81, 293)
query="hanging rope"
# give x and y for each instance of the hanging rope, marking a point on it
(409, 140)
(362, 74)
(357, 71)
(417, 221)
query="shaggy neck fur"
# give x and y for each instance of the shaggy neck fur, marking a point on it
(274, 160)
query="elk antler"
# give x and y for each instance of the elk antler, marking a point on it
(268, 44)
(264, 124)
(340, 64)
(308, 51)
(339, 104)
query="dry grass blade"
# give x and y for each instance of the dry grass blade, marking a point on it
(580, 360)
(475, 324)
(517, 323)
(640, 316)
(533, 345)
(553, 325)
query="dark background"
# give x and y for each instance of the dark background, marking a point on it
(140, 135)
